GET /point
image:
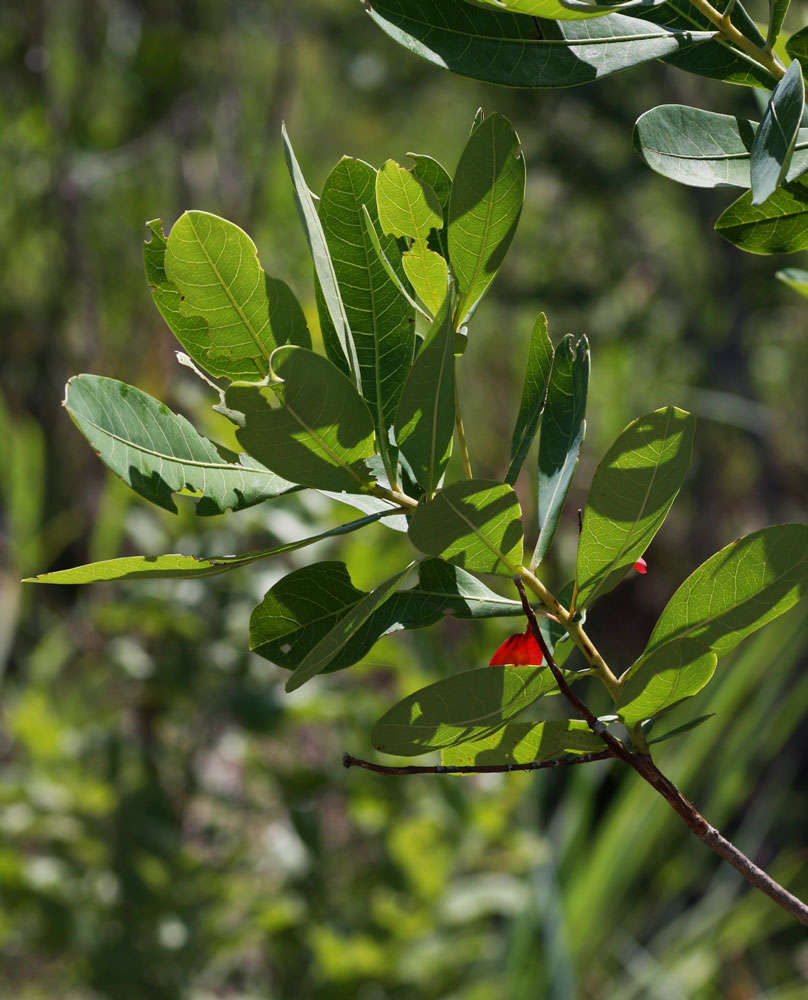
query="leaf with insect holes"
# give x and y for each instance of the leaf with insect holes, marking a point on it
(474, 523)
(631, 493)
(159, 453)
(321, 435)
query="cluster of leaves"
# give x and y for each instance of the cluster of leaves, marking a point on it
(562, 43)
(402, 258)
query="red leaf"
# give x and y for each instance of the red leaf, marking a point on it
(521, 650)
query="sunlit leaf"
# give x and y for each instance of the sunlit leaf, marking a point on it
(158, 452)
(465, 706)
(427, 169)
(735, 592)
(525, 743)
(484, 207)
(322, 433)
(631, 493)
(407, 205)
(474, 523)
(174, 566)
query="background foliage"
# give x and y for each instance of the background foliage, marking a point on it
(171, 826)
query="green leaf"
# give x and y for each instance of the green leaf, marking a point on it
(407, 204)
(797, 45)
(464, 706)
(631, 493)
(335, 640)
(519, 51)
(735, 592)
(779, 225)
(381, 321)
(428, 274)
(795, 278)
(534, 393)
(710, 58)
(214, 267)
(680, 730)
(158, 452)
(375, 243)
(664, 677)
(475, 524)
(175, 566)
(321, 435)
(429, 171)
(426, 414)
(562, 433)
(299, 610)
(564, 10)
(484, 207)
(525, 743)
(327, 285)
(773, 147)
(777, 13)
(703, 149)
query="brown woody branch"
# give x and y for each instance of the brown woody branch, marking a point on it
(536, 765)
(647, 769)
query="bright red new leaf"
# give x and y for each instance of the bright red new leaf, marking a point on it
(641, 566)
(521, 650)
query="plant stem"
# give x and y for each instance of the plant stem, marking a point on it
(395, 496)
(726, 28)
(574, 630)
(461, 437)
(647, 769)
(536, 765)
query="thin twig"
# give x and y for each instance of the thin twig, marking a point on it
(536, 765)
(647, 769)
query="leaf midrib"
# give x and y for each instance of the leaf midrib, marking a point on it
(196, 463)
(242, 315)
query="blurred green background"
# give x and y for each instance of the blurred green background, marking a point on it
(171, 824)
